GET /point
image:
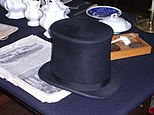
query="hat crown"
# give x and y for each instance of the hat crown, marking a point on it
(82, 30)
(81, 52)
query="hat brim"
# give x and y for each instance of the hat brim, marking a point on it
(104, 92)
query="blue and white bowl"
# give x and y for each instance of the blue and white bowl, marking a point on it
(100, 12)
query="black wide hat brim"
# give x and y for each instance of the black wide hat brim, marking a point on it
(104, 92)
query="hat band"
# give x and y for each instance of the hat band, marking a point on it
(81, 87)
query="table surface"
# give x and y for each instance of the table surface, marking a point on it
(138, 75)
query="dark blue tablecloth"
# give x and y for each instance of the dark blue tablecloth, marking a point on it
(138, 84)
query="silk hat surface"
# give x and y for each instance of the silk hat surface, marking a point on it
(80, 60)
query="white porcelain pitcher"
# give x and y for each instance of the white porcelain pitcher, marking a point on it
(32, 12)
(2, 2)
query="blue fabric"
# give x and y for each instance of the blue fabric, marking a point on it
(138, 73)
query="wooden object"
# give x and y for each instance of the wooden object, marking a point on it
(4, 99)
(137, 47)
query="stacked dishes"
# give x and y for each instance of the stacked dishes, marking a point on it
(110, 16)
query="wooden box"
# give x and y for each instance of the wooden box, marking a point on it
(137, 47)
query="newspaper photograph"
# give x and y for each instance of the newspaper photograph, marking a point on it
(20, 63)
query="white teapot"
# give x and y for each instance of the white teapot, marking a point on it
(15, 9)
(118, 24)
(53, 12)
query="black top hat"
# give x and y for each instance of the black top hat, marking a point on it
(80, 60)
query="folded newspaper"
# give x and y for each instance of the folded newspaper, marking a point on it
(20, 62)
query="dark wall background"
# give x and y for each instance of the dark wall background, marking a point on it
(136, 6)
(133, 6)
